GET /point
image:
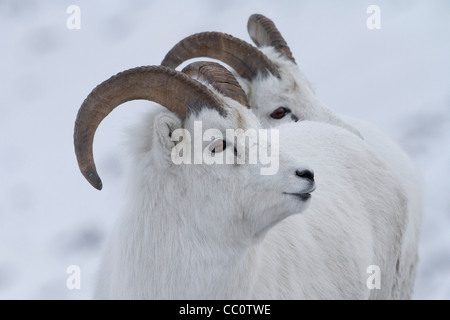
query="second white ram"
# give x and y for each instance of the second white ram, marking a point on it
(280, 93)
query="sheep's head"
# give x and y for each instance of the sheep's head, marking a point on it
(277, 90)
(202, 175)
(290, 97)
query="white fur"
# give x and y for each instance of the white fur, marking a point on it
(227, 232)
(295, 92)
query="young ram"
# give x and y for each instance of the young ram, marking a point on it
(279, 93)
(226, 231)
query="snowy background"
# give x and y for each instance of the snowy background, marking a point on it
(50, 217)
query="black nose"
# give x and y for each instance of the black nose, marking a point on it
(305, 174)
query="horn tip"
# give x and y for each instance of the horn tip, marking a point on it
(256, 16)
(93, 178)
(98, 187)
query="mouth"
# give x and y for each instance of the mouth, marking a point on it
(304, 196)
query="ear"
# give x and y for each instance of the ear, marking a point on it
(165, 124)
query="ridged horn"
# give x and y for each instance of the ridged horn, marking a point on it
(263, 32)
(219, 77)
(174, 90)
(247, 60)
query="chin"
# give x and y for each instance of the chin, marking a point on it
(295, 207)
(301, 204)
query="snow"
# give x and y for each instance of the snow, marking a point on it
(50, 218)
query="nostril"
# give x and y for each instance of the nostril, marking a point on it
(305, 174)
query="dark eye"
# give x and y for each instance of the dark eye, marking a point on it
(217, 146)
(280, 113)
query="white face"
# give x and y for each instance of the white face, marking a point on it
(274, 107)
(226, 185)
(289, 98)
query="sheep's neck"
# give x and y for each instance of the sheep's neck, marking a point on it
(187, 265)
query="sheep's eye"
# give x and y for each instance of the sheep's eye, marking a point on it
(279, 113)
(217, 146)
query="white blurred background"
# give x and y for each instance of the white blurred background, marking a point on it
(397, 77)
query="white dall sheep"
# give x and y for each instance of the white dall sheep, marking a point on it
(280, 93)
(225, 231)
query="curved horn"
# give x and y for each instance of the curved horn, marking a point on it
(176, 91)
(263, 32)
(247, 60)
(219, 77)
